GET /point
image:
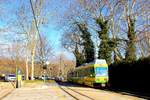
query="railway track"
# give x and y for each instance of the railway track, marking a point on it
(7, 92)
(6, 89)
(75, 94)
(66, 88)
(130, 93)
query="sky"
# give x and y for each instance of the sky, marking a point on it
(52, 29)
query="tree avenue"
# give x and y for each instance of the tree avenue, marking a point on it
(89, 29)
(115, 26)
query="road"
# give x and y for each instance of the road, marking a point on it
(53, 91)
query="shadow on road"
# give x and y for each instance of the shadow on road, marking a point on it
(69, 84)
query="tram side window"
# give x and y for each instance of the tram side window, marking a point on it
(82, 72)
(90, 71)
(87, 72)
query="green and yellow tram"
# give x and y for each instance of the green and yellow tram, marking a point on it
(92, 74)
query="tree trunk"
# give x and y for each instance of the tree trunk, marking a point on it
(117, 56)
(32, 63)
(27, 68)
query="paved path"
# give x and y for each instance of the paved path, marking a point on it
(39, 92)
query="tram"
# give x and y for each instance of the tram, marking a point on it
(93, 74)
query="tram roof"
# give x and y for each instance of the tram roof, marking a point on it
(96, 61)
(91, 64)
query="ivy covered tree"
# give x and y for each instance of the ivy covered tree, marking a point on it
(87, 43)
(131, 49)
(106, 45)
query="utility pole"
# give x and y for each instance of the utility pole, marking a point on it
(60, 71)
(37, 33)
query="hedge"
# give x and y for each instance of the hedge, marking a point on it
(133, 76)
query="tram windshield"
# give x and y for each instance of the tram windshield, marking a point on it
(101, 71)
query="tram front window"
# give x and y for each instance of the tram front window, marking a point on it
(101, 71)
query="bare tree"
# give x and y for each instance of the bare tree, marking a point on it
(31, 16)
(44, 50)
(64, 66)
(72, 41)
(134, 21)
(16, 58)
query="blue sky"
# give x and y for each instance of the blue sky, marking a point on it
(52, 30)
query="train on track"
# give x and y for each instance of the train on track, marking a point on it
(93, 74)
